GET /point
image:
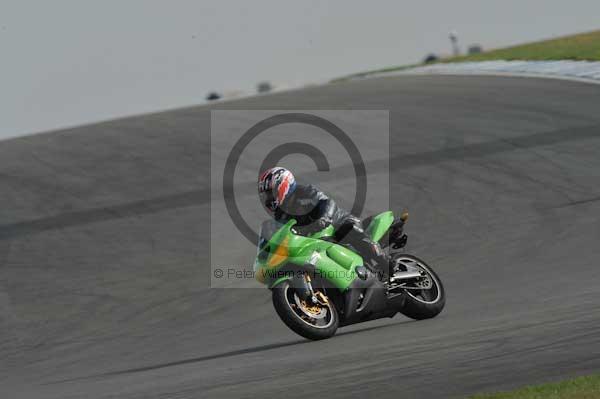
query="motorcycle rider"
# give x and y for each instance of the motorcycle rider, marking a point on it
(313, 210)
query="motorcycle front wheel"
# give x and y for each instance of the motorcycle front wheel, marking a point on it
(312, 321)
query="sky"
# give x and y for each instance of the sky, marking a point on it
(66, 63)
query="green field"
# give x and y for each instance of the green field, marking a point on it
(578, 388)
(583, 46)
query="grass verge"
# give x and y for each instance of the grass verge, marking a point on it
(577, 388)
(583, 46)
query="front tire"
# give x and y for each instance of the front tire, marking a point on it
(425, 303)
(297, 316)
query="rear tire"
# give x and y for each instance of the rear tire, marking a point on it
(284, 303)
(423, 304)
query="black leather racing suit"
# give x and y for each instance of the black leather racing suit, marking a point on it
(314, 210)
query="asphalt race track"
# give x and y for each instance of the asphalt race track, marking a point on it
(103, 276)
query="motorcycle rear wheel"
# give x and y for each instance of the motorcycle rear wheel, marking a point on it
(309, 321)
(425, 303)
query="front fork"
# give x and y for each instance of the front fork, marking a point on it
(307, 292)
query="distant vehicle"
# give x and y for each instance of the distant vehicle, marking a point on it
(431, 58)
(213, 95)
(264, 87)
(475, 49)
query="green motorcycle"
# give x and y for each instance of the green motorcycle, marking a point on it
(319, 284)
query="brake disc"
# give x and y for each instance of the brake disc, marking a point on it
(312, 311)
(424, 283)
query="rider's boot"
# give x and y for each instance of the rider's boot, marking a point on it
(388, 267)
(381, 263)
(372, 253)
(379, 260)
